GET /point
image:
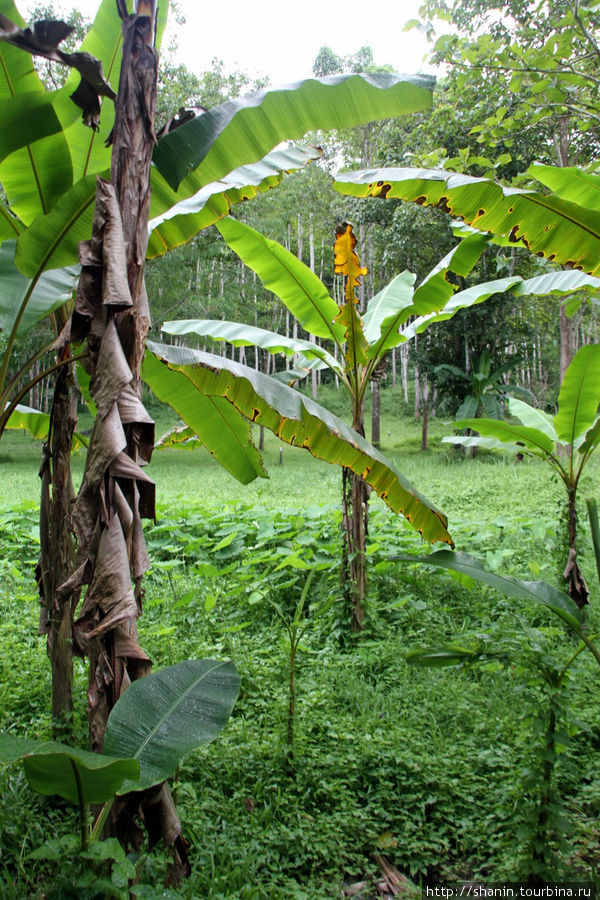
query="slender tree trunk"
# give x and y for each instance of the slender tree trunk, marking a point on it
(355, 528)
(425, 421)
(376, 414)
(56, 549)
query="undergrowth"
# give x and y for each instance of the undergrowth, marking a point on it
(435, 770)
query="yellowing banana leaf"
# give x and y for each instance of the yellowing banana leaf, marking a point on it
(347, 264)
(561, 230)
(23, 302)
(243, 130)
(280, 271)
(221, 430)
(299, 421)
(240, 335)
(177, 216)
(579, 395)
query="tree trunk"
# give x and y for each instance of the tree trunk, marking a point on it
(425, 421)
(115, 494)
(56, 550)
(355, 522)
(376, 414)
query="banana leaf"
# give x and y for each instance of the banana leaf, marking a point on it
(296, 420)
(78, 776)
(532, 591)
(280, 271)
(240, 335)
(579, 395)
(177, 216)
(160, 719)
(561, 230)
(243, 130)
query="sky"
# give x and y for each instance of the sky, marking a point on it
(281, 40)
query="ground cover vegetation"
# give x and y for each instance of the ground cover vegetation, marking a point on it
(357, 762)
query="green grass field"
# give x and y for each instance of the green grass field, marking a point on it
(436, 770)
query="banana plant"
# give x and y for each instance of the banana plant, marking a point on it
(508, 649)
(157, 722)
(360, 344)
(565, 441)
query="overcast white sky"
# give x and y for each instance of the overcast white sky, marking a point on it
(282, 39)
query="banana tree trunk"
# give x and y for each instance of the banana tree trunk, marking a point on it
(57, 549)
(355, 528)
(576, 584)
(376, 414)
(116, 494)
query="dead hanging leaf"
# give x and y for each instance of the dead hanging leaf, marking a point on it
(347, 263)
(345, 260)
(43, 40)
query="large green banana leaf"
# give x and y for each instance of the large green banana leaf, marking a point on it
(30, 299)
(461, 300)
(532, 591)
(240, 335)
(532, 418)
(291, 280)
(78, 776)
(176, 216)
(562, 230)
(436, 289)
(579, 395)
(555, 283)
(243, 130)
(52, 241)
(386, 311)
(570, 183)
(26, 118)
(298, 421)
(34, 176)
(531, 439)
(158, 720)
(221, 429)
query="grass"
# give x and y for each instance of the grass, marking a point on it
(436, 770)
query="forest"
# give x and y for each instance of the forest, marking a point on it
(232, 668)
